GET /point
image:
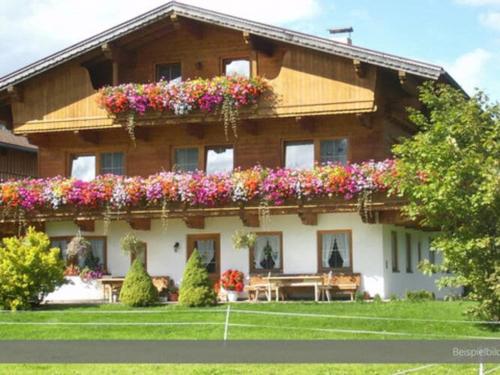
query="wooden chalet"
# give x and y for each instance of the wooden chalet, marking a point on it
(333, 102)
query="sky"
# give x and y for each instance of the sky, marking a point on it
(463, 36)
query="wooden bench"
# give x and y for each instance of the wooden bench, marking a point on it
(259, 286)
(343, 284)
(113, 285)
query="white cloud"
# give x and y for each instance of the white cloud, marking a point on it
(31, 29)
(491, 20)
(479, 2)
(468, 69)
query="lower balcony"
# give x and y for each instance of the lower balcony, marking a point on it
(252, 194)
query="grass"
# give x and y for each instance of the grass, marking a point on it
(301, 320)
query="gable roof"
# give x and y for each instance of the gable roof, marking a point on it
(418, 68)
(9, 140)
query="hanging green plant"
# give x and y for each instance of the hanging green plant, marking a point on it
(244, 240)
(132, 245)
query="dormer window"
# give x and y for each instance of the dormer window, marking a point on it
(240, 67)
(170, 72)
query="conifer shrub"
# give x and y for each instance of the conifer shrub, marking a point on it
(196, 289)
(138, 288)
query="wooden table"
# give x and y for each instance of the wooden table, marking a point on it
(301, 281)
(112, 285)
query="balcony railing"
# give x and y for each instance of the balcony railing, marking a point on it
(171, 190)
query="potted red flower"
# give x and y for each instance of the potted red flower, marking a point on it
(233, 283)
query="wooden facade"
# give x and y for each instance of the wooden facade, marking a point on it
(319, 96)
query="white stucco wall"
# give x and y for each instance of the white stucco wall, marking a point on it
(299, 245)
(399, 282)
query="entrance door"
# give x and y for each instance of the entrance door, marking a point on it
(208, 245)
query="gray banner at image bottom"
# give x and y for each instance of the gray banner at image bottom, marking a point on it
(320, 351)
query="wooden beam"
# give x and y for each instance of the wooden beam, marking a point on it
(38, 225)
(365, 120)
(307, 123)
(196, 130)
(194, 28)
(15, 94)
(308, 218)
(249, 219)
(359, 68)
(408, 83)
(85, 225)
(174, 18)
(91, 137)
(195, 222)
(140, 223)
(246, 37)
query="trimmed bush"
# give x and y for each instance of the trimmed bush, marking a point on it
(138, 288)
(196, 288)
(420, 295)
(29, 270)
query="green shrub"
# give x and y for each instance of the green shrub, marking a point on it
(393, 297)
(377, 298)
(359, 296)
(138, 288)
(196, 288)
(419, 295)
(29, 270)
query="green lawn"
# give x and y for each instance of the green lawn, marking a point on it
(394, 320)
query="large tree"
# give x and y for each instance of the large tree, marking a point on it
(450, 174)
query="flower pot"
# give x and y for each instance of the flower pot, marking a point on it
(232, 296)
(173, 297)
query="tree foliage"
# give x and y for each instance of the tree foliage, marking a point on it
(29, 270)
(138, 288)
(450, 174)
(196, 288)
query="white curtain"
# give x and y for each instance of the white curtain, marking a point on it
(260, 245)
(98, 250)
(342, 241)
(206, 248)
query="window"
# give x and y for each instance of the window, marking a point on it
(97, 257)
(333, 151)
(83, 167)
(267, 253)
(208, 245)
(186, 159)
(112, 163)
(299, 155)
(169, 72)
(409, 265)
(142, 255)
(240, 67)
(394, 252)
(219, 159)
(432, 253)
(334, 251)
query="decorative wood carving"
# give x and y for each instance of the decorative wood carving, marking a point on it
(140, 223)
(249, 219)
(195, 222)
(175, 20)
(196, 130)
(308, 218)
(359, 68)
(85, 225)
(246, 37)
